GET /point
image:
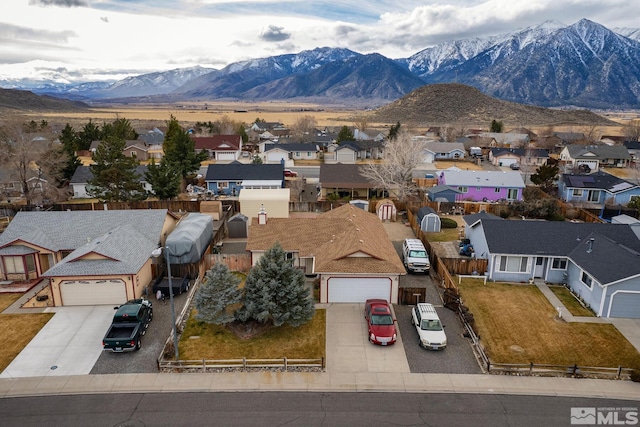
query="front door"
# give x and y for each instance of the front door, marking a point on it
(539, 269)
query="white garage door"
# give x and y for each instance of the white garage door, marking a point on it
(508, 162)
(226, 156)
(93, 292)
(625, 304)
(349, 289)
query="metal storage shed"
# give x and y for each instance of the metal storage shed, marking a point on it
(238, 226)
(428, 219)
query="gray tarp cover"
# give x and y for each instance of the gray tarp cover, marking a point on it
(190, 238)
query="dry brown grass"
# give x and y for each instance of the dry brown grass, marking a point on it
(16, 330)
(517, 324)
(570, 302)
(204, 341)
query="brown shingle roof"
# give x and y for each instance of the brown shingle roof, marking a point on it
(346, 240)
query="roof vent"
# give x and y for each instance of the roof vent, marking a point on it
(590, 245)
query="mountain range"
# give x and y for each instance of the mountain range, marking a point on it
(584, 65)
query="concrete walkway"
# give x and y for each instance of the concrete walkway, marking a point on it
(318, 381)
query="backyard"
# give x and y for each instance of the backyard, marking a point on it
(517, 324)
(16, 330)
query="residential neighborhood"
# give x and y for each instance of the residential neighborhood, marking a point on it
(325, 221)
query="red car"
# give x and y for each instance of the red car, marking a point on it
(380, 322)
(290, 174)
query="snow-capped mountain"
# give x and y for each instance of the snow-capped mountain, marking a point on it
(239, 77)
(584, 65)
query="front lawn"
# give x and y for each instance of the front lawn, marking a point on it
(517, 324)
(204, 341)
(570, 302)
(16, 330)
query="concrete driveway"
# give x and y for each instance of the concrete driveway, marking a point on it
(69, 344)
(348, 346)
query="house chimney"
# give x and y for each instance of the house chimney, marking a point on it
(262, 215)
(590, 245)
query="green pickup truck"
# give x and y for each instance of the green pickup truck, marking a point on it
(129, 324)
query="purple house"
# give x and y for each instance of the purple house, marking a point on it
(485, 186)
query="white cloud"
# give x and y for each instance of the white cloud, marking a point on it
(117, 36)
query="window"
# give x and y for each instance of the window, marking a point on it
(297, 154)
(594, 195)
(577, 192)
(559, 264)
(478, 188)
(587, 280)
(223, 184)
(308, 153)
(463, 189)
(513, 264)
(13, 264)
(496, 190)
(31, 263)
(512, 194)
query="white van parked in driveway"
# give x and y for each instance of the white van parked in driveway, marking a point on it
(415, 256)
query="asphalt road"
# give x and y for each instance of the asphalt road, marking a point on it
(297, 409)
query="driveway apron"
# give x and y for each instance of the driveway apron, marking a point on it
(69, 344)
(348, 346)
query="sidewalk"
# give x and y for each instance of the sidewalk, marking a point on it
(315, 382)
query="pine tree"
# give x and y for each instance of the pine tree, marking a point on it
(179, 150)
(114, 174)
(164, 179)
(345, 134)
(275, 291)
(217, 295)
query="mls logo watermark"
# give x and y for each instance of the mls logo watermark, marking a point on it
(604, 416)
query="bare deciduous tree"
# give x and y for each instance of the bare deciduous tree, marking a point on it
(304, 127)
(33, 160)
(361, 122)
(632, 130)
(402, 156)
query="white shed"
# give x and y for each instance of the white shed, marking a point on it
(428, 219)
(274, 200)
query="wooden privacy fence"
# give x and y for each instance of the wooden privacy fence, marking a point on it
(410, 296)
(235, 262)
(244, 363)
(465, 266)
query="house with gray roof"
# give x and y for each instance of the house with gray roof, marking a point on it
(88, 257)
(483, 186)
(595, 156)
(510, 139)
(436, 150)
(523, 156)
(80, 181)
(596, 189)
(276, 153)
(599, 262)
(229, 179)
(346, 180)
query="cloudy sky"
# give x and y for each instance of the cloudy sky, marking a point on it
(90, 40)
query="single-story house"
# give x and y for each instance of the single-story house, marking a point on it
(230, 178)
(428, 219)
(137, 149)
(599, 262)
(89, 257)
(345, 180)
(80, 180)
(523, 156)
(483, 186)
(597, 189)
(508, 139)
(276, 153)
(346, 153)
(219, 147)
(595, 156)
(436, 150)
(346, 247)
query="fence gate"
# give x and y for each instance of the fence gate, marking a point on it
(411, 296)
